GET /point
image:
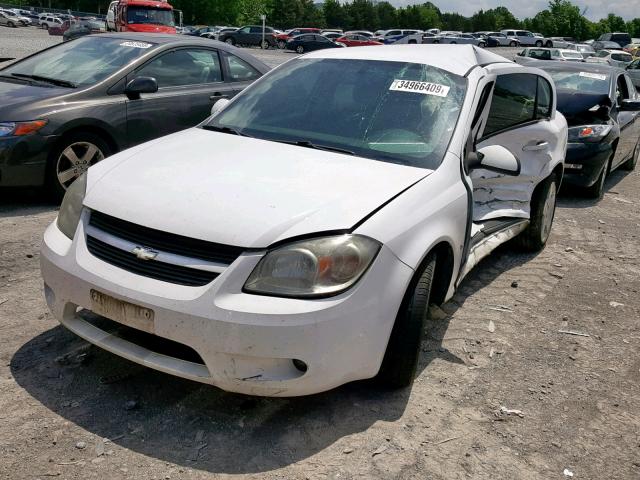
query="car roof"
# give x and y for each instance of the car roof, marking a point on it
(457, 59)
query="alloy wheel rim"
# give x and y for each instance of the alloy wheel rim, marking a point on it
(75, 160)
(548, 211)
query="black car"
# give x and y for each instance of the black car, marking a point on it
(73, 104)
(250, 35)
(621, 38)
(309, 42)
(601, 106)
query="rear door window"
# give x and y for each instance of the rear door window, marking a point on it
(184, 67)
(239, 70)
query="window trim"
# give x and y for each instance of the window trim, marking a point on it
(526, 123)
(227, 70)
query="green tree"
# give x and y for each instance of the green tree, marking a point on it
(335, 15)
(387, 15)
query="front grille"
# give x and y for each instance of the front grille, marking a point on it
(149, 268)
(165, 242)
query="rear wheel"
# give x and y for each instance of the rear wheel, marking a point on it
(281, 44)
(549, 44)
(403, 350)
(412, 42)
(72, 157)
(264, 45)
(230, 41)
(300, 49)
(543, 209)
(539, 43)
(513, 44)
(11, 24)
(436, 41)
(482, 44)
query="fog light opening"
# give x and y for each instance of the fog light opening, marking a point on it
(300, 365)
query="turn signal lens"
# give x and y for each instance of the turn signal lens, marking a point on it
(27, 128)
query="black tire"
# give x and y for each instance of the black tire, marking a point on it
(398, 367)
(264, 45)
(549, 44)
(597, 189)
(230, 41)
(412, 42)
(633, 161)
(539, 43)
(535, 237)
(513, 44)
(11, 24)
(281, 44)
(453, 43)
(79, 142)
(482, 45)
(300, 49)
(436, 41)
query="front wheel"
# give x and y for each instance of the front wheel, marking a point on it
(281, 45)
(543, 209)
(403, 350)
(633, 161)
(230, 41)
(597, 189)
(549, 44)
(412, 42)
(300, 49)
(482, 44)
(513, 44)
(72, 157)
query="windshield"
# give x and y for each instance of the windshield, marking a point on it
(621, 57)
(390, 111)
(583, 82)
(83, 62)
(568, 54)
(150, 15)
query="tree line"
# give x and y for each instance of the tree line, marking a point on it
(561, 18)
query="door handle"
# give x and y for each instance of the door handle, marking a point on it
(532, 147)
(218, 96)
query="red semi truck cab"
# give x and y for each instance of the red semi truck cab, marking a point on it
(140, 16)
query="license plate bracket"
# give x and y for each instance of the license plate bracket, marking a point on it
(126, 313)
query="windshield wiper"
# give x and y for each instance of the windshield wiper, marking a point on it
(53, 81)
(316, 146)
(228, 130)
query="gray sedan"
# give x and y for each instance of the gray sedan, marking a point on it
(460, 38)
(70, 106)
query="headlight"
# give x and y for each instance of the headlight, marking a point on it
(592, 133)
(18, 129)
(71, 208)
(313, 268)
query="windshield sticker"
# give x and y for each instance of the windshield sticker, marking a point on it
(426, 88)
(595, 76)
(135, 44)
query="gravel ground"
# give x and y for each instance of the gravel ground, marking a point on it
(72, 411)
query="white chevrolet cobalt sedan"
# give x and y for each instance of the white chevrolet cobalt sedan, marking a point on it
(294, 241)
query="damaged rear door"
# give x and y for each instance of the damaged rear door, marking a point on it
(519, 118)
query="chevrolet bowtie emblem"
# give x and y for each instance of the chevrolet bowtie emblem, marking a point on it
(144, 253)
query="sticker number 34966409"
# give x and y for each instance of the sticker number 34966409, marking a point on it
(426, 88)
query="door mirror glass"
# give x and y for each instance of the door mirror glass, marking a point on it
(495, 158)
(141, 85)
(219, 106)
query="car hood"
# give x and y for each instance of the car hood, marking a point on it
(242, 191)
(581, 108)
(17, 95)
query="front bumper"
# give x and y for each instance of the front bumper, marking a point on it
(247, 342)
(23, 160)
(584, 162)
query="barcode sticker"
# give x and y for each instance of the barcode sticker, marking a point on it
(135, 44)
(426, 88)
(595, 76)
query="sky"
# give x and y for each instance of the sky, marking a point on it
(596, 9)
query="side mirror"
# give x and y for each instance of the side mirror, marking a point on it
(630, 106)
(494, 158)
(219, 106)
(140, 85)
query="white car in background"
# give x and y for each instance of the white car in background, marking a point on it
(559, 54)
(585, 49)
(615, 58)
(46, 21)
(459, 38)
(306, 253)
(12, 19)
(526, 38)
(399, 36)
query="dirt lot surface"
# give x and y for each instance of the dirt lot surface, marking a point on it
(554, 336)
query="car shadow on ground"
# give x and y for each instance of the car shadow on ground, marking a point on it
(573, 197)
(16, 202)
(199, 426)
